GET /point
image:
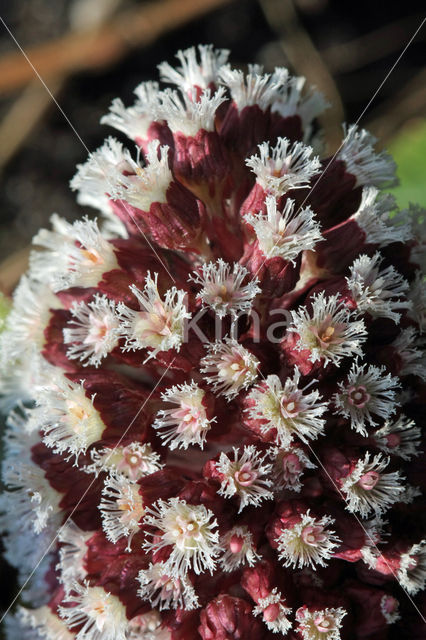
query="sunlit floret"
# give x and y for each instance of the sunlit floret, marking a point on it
(226, 289)
(246, 476)
(283, 167)
(285, 233)
(121, 508)
(328, 331)
(229, 367)
(190, 531)
(287, 409)
(307, 543)
(99, 614)
(93, 332)
(164, 591)
(274, 612)
(76, 255)
(187, 422)
(159, 325)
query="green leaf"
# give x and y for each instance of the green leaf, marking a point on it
(409, 152)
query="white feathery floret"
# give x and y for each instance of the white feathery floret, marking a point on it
(410, 349)
(134, 121)
(100, 614)
(190, 531)
(75, 255)
(96, 178)
(227, 289)
(361, 160)
(29, 316)
(320, 624)
(367, 390)
(141, 186)
(308, 543)
(287, 409)
(229, 367)
(399, 438)
(186, 423)
(199, 67)
(164, 591)
(379, 292)
(254, 88)
(122, 508)
(285, 233)
(245, 475)
(328, 330)
(367, 489)
(66, 416)
(93, 332)
(274, 612)
(160, 322)
(412, 568)
(133, 461)
(189, 114)
(283, 167)
(373, 217)
(238, 549)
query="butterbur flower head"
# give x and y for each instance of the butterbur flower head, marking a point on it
(328, 331)
(229, 367)
(121, 509)
(227, 289)
(93, 332)
(274, 612)
(67, 417)
(159, 324)
(377, 291)
(164, 591)
(215, 386)
(284, 233)
(141, 186)
(368, 489)
(133, 461)
(187, 422)
(77, 254)
(412, 568)
(97, 612)
(245, 475)
(284, 167)
(309, 542)
(323, 624)
(366, 391)
(239, 549)
(190, 530)
(287, 410)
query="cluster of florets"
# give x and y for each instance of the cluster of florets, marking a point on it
(213, 387)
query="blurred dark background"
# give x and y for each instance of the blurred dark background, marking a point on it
(89, 51)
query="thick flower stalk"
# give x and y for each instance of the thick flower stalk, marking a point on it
(214, 387)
